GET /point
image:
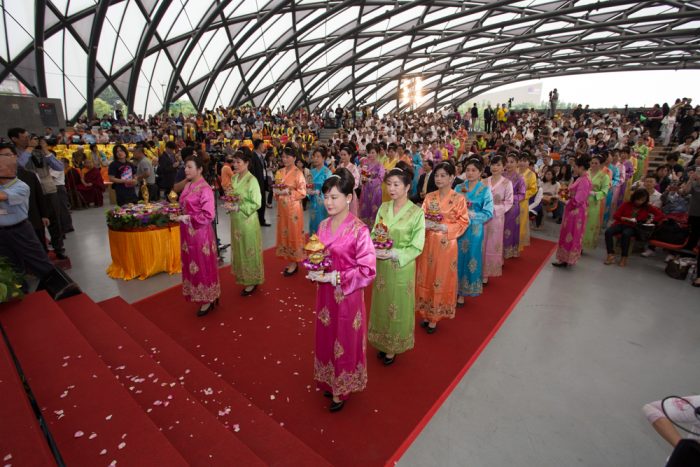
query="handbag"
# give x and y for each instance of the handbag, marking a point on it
(678, 267)
(644, 232)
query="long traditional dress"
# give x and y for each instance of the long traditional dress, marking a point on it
(352, 168)
(246, 239)
(436, 275)
(371, 195)
(511, 227)
(290, 216)
(502, 193)
(388, 164)
(471, 243)
(200, 272)
(600, 185)
(317, 211)
(340, 363)
(392, 318)
(530, 191)
(611, 198)
(574, 220)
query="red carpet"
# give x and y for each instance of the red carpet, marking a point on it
(263, 346)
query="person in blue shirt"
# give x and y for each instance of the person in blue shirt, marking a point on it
(18, 242)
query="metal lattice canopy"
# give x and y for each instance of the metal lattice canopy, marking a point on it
(324, 53)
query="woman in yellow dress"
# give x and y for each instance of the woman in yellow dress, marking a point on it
(289, 190)
(530, 191)
(436, 276)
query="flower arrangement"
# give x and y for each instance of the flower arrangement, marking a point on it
(142, 216)
(317, 258)
(365, 173)
(380, 236)
(10, 282)
(230, 201)
(433, 214)
(278, 184)
(563, 193)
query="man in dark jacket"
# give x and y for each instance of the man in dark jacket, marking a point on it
(167, 168)
(257, 168)
(488, 117)
(38, 209)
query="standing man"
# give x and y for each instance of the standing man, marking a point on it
(18, 243)
(475, 117)
(121, 174)
(488, 118)
(167, 167)
(553, 100)
(258, 169)
(145, 173)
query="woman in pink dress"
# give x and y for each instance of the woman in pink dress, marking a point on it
(200, 272)
(340, 363)
(574, 221)
(502, 191)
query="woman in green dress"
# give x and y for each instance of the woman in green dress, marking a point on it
(392, 316)
(596, 202)
(246, 240)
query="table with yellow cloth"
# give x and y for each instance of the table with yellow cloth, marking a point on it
(144, 253)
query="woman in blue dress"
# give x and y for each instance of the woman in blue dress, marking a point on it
(470, 245)
(319, 173)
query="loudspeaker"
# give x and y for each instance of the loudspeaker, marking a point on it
(58, 284)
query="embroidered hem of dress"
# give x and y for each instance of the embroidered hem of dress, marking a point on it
(201, 293)
(390, 343)
(511, 252)
(344, 383)
(568, 257)
(434, 313)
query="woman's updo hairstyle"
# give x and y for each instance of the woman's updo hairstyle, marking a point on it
(447, 167)
(403, 171)
(497, 160)
(289, 151)
(372, 147)
(242, 156)
(583, 161)
(322, 150)
(197, 161)
(342, 180)
(476, 163)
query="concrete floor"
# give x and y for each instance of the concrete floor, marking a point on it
(563, 381)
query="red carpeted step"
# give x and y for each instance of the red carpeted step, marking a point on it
(21, 439)
(266, 437)
(189, 426)
(92, 418)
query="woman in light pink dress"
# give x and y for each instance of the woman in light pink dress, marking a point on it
(346, 163)
(340, 362)
(200, 272)
(574, 220)
(502, 191)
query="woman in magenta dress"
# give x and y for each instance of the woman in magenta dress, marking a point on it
(340, 363)
(511, 226)
(372, 173)
(200, 272)
(574, 220)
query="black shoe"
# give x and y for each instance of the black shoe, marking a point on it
(61, 256)
(430, 330)
(424, 324)
(287, 273)
(381, 355)
(388, 361)
(559, 221)
(559, 265)
(210, 306)
(328, 394)
(460, 305)
(265, 224)
(245, 292)
(336, 406)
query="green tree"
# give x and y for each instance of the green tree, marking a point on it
(102, 107)
(110, 96)
(183, 106)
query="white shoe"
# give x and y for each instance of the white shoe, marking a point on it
(669, 258)
(648, 252)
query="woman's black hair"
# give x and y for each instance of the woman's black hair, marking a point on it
(496, 160)
(117, 147)
(583, 161)
(549, 170)
(348, 148)
(639, 194)
(447, 167)
(403, 171)
(322, 150)
(342, 180)
(475, 162)
(512, 155)
(242, 156)
(371, 147)
(197, 161)
(599, 158)
(303, 162)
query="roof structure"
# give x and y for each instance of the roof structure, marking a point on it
(325, 53)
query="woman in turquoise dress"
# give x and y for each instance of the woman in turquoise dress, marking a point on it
(392, 316)
(319, 174)
(470, 245)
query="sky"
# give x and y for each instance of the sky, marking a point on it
(634, 88)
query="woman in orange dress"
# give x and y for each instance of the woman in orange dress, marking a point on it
(436, 277)
(290, 214)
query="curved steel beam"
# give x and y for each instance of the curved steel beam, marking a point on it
(95, 33)
(39, 15)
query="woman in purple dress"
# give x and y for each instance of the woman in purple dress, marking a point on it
(340, 363)
(511, 225)
(200, 272)
(574, 221)
(372, 174)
